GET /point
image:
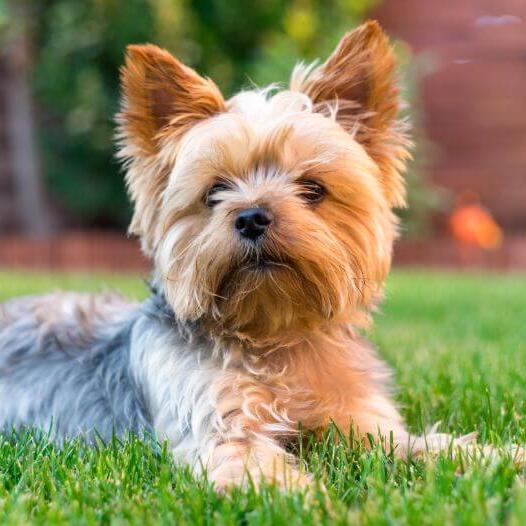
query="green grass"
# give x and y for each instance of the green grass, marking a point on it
(457, 343)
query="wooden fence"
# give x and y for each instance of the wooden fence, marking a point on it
(114, 252)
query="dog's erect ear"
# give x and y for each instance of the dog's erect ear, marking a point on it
(161, 96)
(161, 99)
(359, 78)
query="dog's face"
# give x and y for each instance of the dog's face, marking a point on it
(270, 211)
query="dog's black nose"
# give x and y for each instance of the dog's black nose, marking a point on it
(252, 222)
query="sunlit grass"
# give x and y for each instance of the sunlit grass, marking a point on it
(457, 343)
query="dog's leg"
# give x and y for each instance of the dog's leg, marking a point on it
(245, 439)
(352, 386)
(377, 417)
(224, 422)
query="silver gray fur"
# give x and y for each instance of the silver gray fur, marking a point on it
(72, 376)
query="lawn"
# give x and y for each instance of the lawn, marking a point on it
(457, 343)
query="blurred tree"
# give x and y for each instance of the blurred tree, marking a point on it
(23, 198)
(80, 48)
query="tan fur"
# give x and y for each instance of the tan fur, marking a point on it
(286, 335)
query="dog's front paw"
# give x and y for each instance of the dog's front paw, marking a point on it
(466, 447)
(491, 453)
(434, 443)
(285, 478)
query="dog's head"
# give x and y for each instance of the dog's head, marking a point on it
(270, 211)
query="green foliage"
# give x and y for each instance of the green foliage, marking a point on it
(457, 343)
(3, 14)
(79, 47)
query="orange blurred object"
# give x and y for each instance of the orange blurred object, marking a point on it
(472, 224)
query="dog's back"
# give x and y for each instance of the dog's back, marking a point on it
(64, 365)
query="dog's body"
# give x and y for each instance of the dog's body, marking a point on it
(65, 366)
(94, 366)
(269, 219)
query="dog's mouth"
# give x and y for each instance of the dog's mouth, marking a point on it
(262, 261)
(256, 264)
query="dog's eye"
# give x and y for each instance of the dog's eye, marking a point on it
(312, 192)
(210, 198)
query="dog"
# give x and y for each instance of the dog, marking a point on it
(269, 220)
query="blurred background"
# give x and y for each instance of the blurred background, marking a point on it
(62, 199)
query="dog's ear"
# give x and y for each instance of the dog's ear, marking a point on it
(359, 79)
(160, 97)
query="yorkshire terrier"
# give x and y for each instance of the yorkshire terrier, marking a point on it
(269, 219)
